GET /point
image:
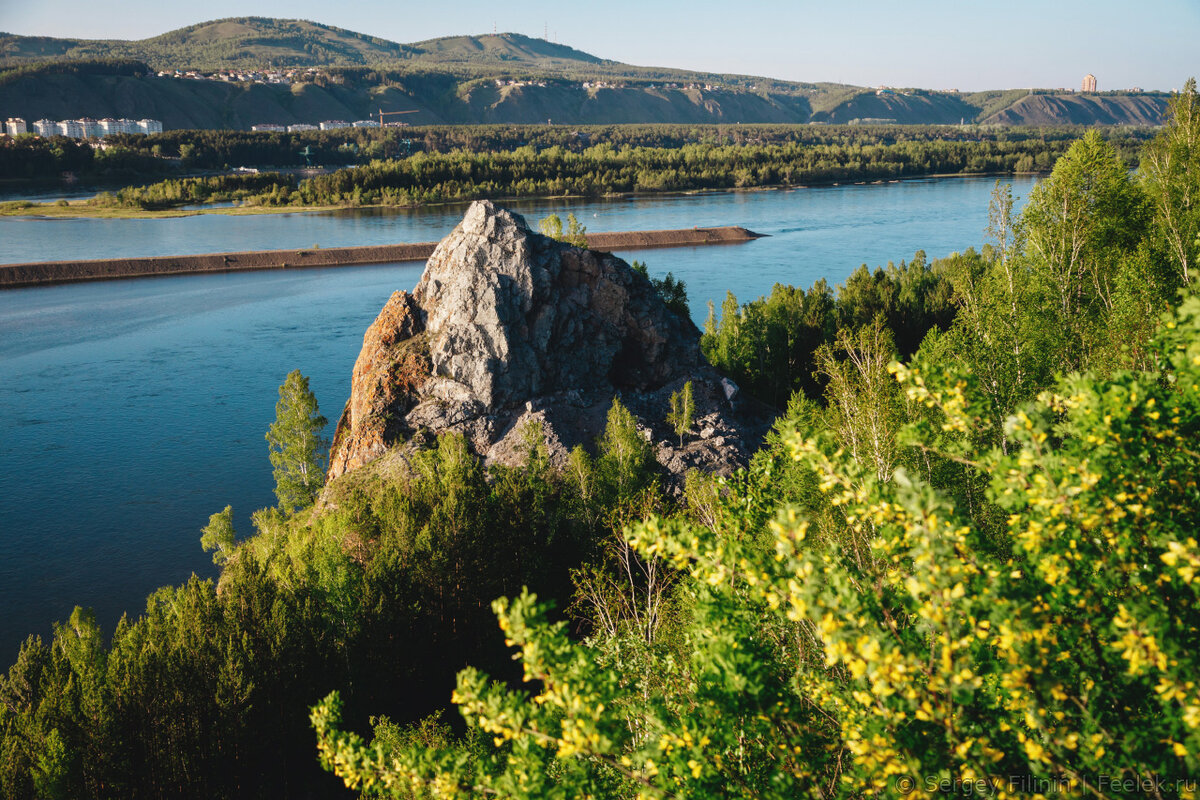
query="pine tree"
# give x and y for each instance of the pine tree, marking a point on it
(297, 449)
(683, 409)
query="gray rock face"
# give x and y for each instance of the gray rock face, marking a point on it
(507, 325)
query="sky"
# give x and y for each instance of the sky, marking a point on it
(934, 44)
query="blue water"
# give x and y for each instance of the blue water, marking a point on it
(132, 410)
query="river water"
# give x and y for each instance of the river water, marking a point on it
(132, 410)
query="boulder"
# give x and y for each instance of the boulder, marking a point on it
(507, 326)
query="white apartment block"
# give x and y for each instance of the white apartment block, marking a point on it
(334, 124)
(303, 126)
(269, 128)
(83, 128)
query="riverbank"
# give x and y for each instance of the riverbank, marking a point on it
(52, 272)
(83, 208)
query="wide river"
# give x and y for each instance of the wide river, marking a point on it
(132, 410)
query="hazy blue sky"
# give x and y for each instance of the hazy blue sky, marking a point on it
(946, 44)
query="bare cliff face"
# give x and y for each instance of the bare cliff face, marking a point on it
(506, 326)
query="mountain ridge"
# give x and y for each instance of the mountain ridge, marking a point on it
(485, 78)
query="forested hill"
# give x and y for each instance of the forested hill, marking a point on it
(258, 42)
(500, 78)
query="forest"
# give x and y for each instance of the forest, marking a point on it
(128, 156)
(456, 166)
(963, 562)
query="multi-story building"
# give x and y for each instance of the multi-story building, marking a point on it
(1089, 83)
(71, 128)
(15, 126)
(366, 123)
(271, 128)
(91, 128)
(303, 126)
(45, 127)
(334, 124)
(149, 126)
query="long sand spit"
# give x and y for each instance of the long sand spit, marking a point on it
(50, 272)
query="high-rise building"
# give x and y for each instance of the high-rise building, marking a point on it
(1089, 83)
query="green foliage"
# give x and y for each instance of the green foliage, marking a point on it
(671, 290)
(296, 447)
(683, 411)
(769, 346)
(219, 536)
(899, 643)
(551, 226)
(576, 233)
(1171, 176)
(623, 467)
(1080, 223)
(385, 592)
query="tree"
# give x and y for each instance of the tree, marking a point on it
(297, 449)
(218, 535)
(1080, 222)
(683, 409)
(624, 462)
(576, 233)
(551, 226)
(1171, 176)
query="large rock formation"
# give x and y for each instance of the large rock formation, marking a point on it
(507, 325)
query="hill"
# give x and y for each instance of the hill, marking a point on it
(501, 78)
(257, 42)
(1082, 109)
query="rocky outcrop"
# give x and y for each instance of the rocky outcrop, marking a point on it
(507, 326)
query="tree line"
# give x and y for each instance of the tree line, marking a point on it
(600, 169)
(153, 154)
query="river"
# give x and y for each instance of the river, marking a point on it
(132, 410)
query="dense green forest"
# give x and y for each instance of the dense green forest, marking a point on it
(453, 165)
(964, 562)
(31, 157)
